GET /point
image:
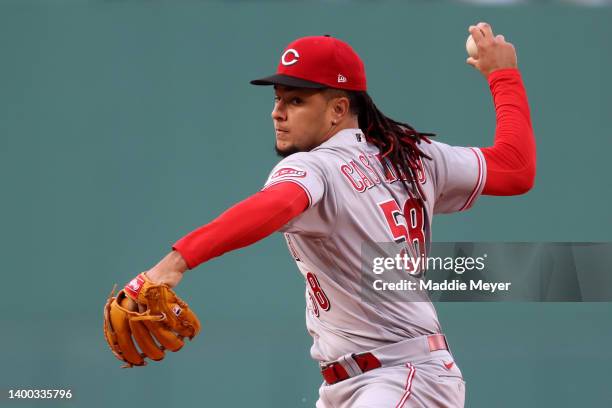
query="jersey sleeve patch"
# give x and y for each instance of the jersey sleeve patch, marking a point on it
(288, 172)
(301, 169)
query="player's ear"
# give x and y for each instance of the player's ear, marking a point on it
(340, 107)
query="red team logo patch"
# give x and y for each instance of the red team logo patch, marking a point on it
(288, 172)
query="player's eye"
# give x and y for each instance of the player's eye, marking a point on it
(296, 101)
(276, 99)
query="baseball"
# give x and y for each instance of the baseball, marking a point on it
(470, 46)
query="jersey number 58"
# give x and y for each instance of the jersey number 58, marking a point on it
(412, 229)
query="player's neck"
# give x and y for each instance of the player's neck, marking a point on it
(334, 130)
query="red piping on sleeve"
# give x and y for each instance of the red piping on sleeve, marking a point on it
(245, 223)
(474, 193)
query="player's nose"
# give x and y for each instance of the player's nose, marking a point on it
(278, 113)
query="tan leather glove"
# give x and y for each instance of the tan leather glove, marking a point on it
(159, 323)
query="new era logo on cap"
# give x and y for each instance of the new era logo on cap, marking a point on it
(318, 62)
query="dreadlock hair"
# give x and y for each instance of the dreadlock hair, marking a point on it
(397, 141)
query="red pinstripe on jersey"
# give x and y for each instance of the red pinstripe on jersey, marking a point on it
(411, 371)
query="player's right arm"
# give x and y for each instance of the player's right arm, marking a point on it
(511, 161)
(508, 166)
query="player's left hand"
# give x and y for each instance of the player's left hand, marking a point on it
(169, 270)
(494, 52)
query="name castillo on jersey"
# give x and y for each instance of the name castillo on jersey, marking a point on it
(364, 176)
(372, 170)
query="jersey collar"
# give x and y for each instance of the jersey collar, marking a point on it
(344, 137)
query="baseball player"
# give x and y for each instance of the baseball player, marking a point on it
(350, 175)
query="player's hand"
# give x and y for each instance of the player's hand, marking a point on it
(494, 52)
(169, 270)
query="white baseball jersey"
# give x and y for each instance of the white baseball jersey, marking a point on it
(355, 197)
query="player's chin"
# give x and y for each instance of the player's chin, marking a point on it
(284, 149)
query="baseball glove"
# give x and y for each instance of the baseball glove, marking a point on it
(160, 323)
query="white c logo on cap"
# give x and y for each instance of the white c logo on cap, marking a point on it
(296, 56)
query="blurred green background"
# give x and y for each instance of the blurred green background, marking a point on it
(126, 124)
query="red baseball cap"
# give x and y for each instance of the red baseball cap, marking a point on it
(318, 62)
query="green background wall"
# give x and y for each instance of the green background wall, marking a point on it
(125, 124)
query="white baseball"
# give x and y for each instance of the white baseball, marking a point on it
(470, 46)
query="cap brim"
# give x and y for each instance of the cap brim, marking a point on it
(286, 80)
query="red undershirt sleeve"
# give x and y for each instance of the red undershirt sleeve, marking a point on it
(244, 224)
(511, 161)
